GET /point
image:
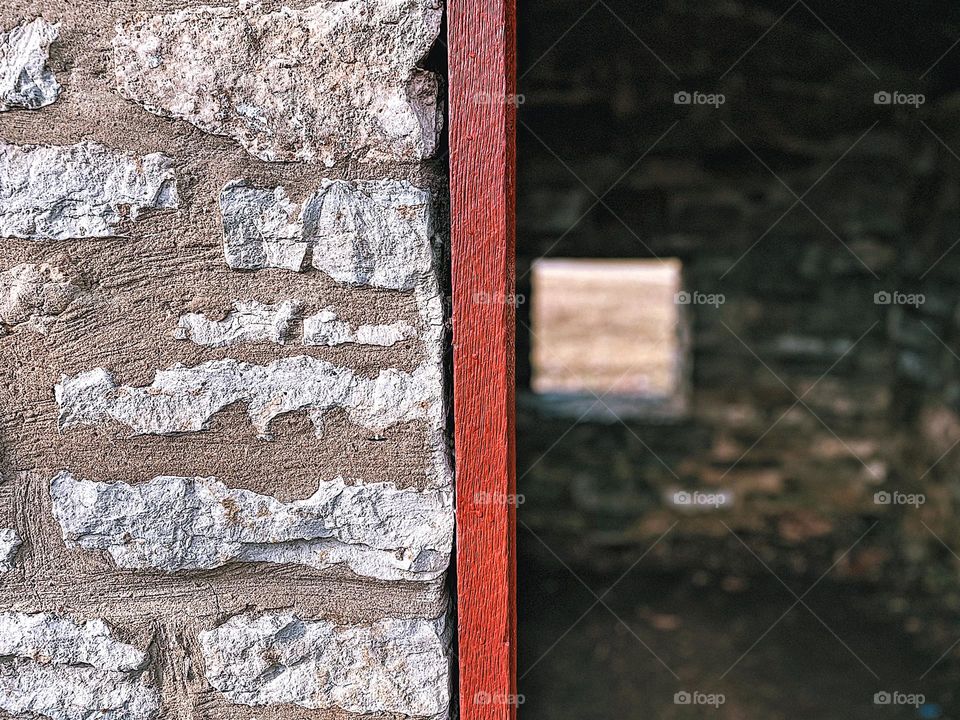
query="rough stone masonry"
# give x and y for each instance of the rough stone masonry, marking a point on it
(225, 481)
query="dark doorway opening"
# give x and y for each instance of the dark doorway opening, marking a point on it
(767, 525)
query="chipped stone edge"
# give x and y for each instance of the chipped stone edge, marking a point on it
(48, 34)
(10, 543)
(441, 626)
(271, 323)
(346, 542)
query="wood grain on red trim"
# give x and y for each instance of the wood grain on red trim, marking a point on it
(482, 75)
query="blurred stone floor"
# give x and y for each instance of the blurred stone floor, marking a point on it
(699, 624)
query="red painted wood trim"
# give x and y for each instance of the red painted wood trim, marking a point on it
(482, 81)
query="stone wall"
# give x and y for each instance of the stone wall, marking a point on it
(226, 485)
(847, 300)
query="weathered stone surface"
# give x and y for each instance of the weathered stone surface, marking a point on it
(62, 641)
(178, 523)
(261, 228)
(248, 322)
(391, 666)
(325, 328)
(371, 233)
(32, 296)
(274, 527)
(184, 399)
(335, 80)
(79, 191)
(9, 544)
(365, 233)
(25, 79)
(54, 667)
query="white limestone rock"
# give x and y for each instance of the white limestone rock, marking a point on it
(54, 667)
(79, 191)
(185, 399)
(248, 322)
(32, 296)
(391, 666)
(376, 233)
(335, 80)
(432, 317)
(261, 228)
(25, 79)
(9, 544)
(325, 328)
(30, 690)
(61, 641)
(181, 523)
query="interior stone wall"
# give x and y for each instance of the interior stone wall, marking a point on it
(226, 485)
(847, 301)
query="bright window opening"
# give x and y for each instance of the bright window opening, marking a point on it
(609, 328)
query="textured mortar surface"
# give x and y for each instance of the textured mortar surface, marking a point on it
(117, 296)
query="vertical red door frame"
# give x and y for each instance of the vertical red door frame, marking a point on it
(482, 75)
